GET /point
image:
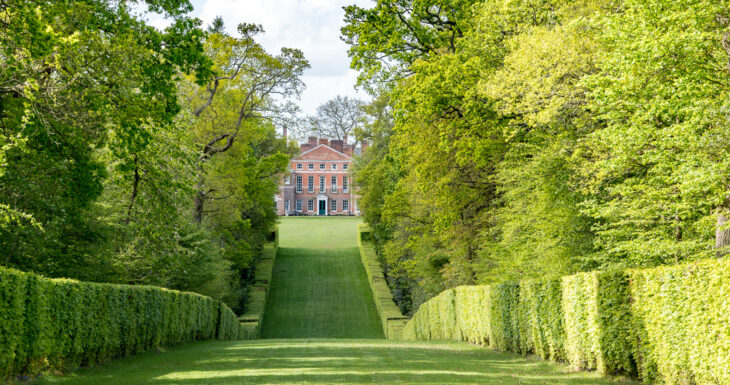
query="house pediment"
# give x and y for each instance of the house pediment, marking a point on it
(323, 152)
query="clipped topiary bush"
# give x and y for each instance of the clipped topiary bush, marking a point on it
(542, 301)
(596, 309)
(392, 320)
(682, 319)
(258, 293)
(472, 313)
(504, 317)
(60, 323)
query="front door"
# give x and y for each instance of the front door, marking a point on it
(322, 207)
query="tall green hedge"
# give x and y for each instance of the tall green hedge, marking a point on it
(60, 323)
(258, 293)
(682, 322)
(598, 322)
(669, 325)
(472, 313)
(542, 315)
(391, 317)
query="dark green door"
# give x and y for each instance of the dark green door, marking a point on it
(322, 207)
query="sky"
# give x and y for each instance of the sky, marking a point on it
(313, 26)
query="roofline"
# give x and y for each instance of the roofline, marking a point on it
(320, 145)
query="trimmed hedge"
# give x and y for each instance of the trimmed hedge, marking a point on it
(252, 320)
(682, 322)
(55, 324)
(391, 318)
(598, 322)
(667, 325)
(541, 301)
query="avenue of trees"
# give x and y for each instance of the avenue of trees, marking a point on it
(130, 154)
(519, 139)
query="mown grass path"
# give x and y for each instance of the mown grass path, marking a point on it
(319, 288)
(328, 361)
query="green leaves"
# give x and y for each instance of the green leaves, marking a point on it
(551, 137)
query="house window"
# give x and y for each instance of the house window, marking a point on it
(299, 205)
(322, 166)
(344, 184)
(345, 205)
(345, 166)
(311, 166)
(286, 205)
(310, 183)
(299, 166)
(299, 183)
(334, 183)
(287, 179)
(333, 205)
(334, 166)
(321, 183)
(310, 205)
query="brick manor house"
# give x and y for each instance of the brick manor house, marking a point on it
(319, 180)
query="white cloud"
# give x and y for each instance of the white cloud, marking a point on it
(310, 25)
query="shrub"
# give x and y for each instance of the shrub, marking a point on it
(472, 313)
(60, 323)
(597, 315)
(392, 320)
(542, 301)
(504, 318)
(682, 318)
(257, 293)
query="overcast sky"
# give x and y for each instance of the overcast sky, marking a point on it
(310, 25)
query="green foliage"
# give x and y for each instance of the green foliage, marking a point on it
(78, 76)
(598, 322)
(542, 312)
(680, 315)
(55, 324)
(390, 316)
(505, 317)
(258, 292)
(104, 144)
(535, 139)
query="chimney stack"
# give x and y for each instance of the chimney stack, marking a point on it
(337, 145)
(312, 141)
(324, 141)
(285, 132)
(364, 145)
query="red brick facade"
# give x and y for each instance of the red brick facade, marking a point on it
(319, 181)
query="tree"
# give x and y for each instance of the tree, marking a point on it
(248, 86)
(337, 118)
(387, 39)
(75, 77)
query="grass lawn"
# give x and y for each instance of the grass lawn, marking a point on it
(319, 288)
(322, 315)
(329, 361)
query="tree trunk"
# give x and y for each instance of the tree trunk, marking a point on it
(722, 231)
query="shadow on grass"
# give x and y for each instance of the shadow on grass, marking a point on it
(329, 361)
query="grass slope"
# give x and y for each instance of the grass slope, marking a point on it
(319, 288)
(328, 361)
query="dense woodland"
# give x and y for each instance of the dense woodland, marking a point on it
(130, 154)
(520, 139)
